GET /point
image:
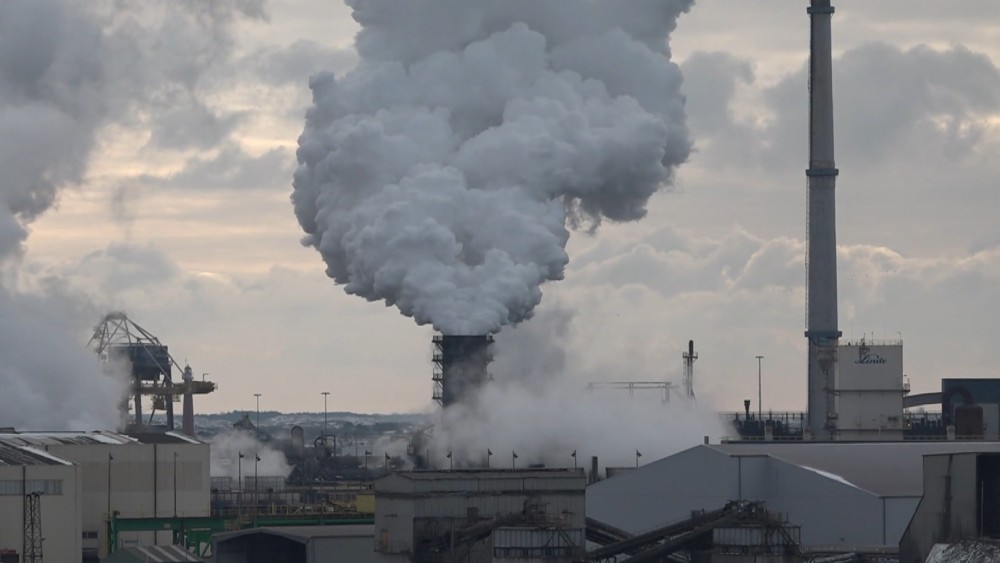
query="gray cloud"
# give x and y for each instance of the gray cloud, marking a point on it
(710, 82)
(231, 168)
(294, 64)
(888, 102)
(68, 70)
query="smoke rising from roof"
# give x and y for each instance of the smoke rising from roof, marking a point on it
(440, 174)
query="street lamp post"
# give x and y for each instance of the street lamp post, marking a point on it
(239, 487)
(110, 459)
(759, 408)
(175, 484)
(258, 414)
(256, 488)
(325, 395)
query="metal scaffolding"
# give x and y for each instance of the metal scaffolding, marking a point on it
(33, 528)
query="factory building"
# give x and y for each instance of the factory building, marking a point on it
(39, 505)
(295, 544)
(961, 501)
(137, 476)
(480, 515)
(844, 495)
(870, 391)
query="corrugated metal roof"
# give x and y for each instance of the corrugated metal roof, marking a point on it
(887, 469)
(153, 554)
(554, 473)
(43, 439)
(169, 437)
(23, 455)
(481, 481)
(302, 534)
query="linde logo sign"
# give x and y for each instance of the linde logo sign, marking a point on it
(871, 359)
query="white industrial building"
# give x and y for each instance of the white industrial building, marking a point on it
(25, 470)
(485, 515)
(843, 495)
(869, 391)
(140, 476)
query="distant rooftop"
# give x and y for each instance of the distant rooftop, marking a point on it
(44, 439)
(499, 473)
(24, 455)
(887, 469)
(47, 439)
(483, 481)
(302, 534)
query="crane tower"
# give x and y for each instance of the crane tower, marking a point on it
(119, 341)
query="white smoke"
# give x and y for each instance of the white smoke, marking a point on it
(439, 175)
(225, 457)
(540, 406)
(545, 425)
(68, 70)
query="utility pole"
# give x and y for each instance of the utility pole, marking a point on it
(325, 395)
(175, 484)
(759, 394)
(258, 414)
(239, 487)
(110, 459)
(256, 488)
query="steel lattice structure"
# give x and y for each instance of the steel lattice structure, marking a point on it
(120, 341)
(33, 528)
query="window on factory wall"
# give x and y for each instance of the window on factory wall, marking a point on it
(44, 486)
(8, 488)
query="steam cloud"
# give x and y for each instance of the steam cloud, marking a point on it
(67, 70)
(440, 174)
(540, 407)
(227, 447)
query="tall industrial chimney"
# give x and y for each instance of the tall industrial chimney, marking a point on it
(821, 257)
(187, 417)
(461, 366)
(689, 357)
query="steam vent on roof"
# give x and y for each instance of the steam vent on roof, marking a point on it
(460, 366)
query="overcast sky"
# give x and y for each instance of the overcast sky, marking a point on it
(159, 145)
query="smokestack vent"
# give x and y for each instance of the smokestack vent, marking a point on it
(461, 366)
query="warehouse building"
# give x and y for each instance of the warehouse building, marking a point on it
(961, 501)
(480, 515)
(39, 504)
(845, 495)
(137, 476)
(295, 544)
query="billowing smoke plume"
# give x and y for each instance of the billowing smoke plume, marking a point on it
(69, 69)
(440, 174)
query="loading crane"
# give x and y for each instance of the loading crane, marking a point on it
(122, 344)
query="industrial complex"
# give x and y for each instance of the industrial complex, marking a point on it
(860, 475)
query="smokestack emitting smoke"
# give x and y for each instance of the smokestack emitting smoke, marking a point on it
(821, 257)
(440, 173)
(463, 366)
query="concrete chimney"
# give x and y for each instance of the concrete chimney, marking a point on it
(821, 259)
(187, 416)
